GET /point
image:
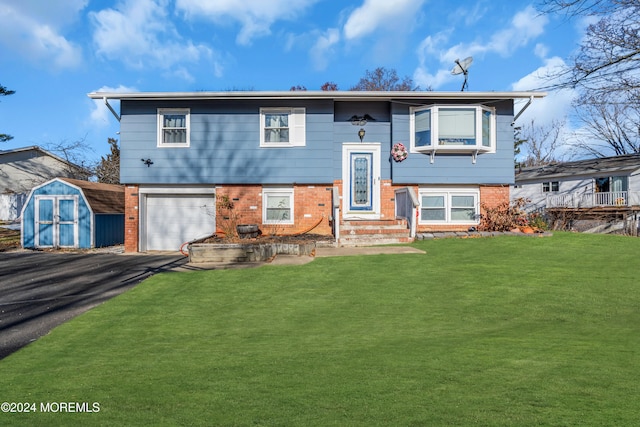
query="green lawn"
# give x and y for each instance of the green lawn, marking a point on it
(508, 331)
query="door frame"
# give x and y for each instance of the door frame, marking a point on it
(349, 148)
(55, 222)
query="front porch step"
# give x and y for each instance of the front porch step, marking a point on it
(367, 233)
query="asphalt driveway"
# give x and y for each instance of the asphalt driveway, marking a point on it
(40, 290)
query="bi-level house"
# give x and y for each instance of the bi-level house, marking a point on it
(334, 163)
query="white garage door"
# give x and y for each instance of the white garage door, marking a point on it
(172, 220)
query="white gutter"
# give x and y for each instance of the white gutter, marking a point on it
(329, 95)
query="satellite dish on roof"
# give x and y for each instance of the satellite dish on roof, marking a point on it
(462, 67)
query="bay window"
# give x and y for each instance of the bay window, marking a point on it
(452, 129)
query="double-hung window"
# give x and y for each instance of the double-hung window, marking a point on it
(453, 129)
(449, 206)
(174, 127)
(277, 205)
(282, 127)
(551, 186)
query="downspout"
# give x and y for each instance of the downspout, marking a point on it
(106, 102)
(522, 111)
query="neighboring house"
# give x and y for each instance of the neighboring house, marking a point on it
(21, 169)
(311, 161)
(70, 213)
(608, 185)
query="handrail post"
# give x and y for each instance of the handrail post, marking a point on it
(335, 201)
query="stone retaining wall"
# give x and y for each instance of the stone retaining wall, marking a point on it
(245, 252)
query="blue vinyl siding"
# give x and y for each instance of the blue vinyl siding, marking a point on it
(375, 132)
(490, 168)
(225, 145)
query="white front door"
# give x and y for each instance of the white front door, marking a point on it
(361, 181)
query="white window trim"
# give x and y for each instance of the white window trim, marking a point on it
(434, 147)
(160, 119)
(448, 192)
(551, 190)
(275, 191)
(297, 127)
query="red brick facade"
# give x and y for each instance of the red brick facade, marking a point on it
(491, 195)
(131, 218)
(312, 209)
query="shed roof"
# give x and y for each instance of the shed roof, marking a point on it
(609, 166)
(103, 198)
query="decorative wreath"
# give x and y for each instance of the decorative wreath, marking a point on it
(399, 152)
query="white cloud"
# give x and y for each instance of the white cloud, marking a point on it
(140, 34)
(541, 51)
(100, 115)
(425, 80)
(34, 29)
(324, 48)
(254, 16)
(376, 14)
(557, 103)
(524, 27)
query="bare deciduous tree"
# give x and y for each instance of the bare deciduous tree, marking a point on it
(604, 70)
(108, 169)
(609, 126)
(5, 92)
(74, 153)
(608, 57)
(541, 143)
(329, 86)
(382, 79)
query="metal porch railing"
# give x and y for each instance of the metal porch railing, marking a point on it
(406, 203)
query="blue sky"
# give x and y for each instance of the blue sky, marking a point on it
(52, 53)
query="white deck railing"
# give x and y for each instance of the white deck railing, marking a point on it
(590, 200)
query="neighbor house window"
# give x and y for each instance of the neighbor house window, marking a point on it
(174, 127)
(551, 186)
(612, 184)
(449, 206)
(277, 205)
(282, 127)
(452, 128)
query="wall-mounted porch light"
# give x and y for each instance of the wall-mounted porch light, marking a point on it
(361, 133)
